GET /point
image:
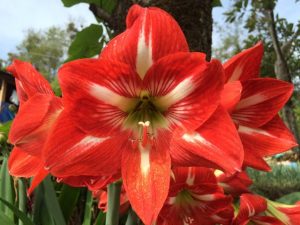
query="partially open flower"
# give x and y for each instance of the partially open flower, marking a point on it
(195, 198)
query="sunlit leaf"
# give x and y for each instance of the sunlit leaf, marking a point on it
(87, 43)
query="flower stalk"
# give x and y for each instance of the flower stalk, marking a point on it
(132, 218)
(113, 204)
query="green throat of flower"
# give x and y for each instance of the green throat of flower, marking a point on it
(145, 109)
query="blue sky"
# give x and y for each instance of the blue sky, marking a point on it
(16, 16)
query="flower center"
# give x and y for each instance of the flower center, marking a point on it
(145, 110)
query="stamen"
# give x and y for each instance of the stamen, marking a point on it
(145, 132)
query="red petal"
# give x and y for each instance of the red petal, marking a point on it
(235, 184)
(33, 121)
(92, 183)
(267, 220)
(267, 140)
(205, 147)
(37, 179)
(146, 175)
(186, 87)
(252, 159)
(100, 93)
(231, 95)
(151, 34)
(21, 164)
(261, 100)
(29, 80)
(71, 152)
(291, 213)
(250, 206)
(244, 65)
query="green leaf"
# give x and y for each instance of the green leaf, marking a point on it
(87, 43)
(21, 215)
(107, 5)
(289, 199)
(6, 188)
(100, 218)
(69, 3)
(87, 210)
(52, 202)
(4, 127)
(4, 130)
(40, 211)
(5, 220)
(68, 199)
(216, 3)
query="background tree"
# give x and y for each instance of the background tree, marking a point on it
(196, 24)
(46, 50)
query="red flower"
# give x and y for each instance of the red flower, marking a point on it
(38, 110)
(253, 208)
(235, 184)
(254, 104)
(195, 198)
(144, 101)
(287, 214)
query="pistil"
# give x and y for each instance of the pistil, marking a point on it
(145, 132)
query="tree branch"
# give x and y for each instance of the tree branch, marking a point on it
(281, 67)
(286, 47)
(101, 14)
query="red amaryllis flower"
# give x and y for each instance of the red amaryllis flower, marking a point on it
(38, 110)
(253, 208)
(287, 214)
(235, 184)
(123, 109)
(195, 198)
(254, 103)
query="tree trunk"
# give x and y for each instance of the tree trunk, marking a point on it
(282, 72)
(193, 16)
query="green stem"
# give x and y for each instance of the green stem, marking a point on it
(132, 218)
(22, 198)
(113, 203)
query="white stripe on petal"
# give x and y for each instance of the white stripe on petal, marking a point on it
(105, 95)
(145, 159)
(144, 51)
(182, 90)
(252, 100)
(251, 131)
(90, 141)
(197, 138)
(236, 74)
(191, 177)
(207, 198)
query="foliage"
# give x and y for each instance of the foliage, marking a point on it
(87, 43)
(45, 49)
(230, 41)
(254, 14)
(282, 180)
(290, 199)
